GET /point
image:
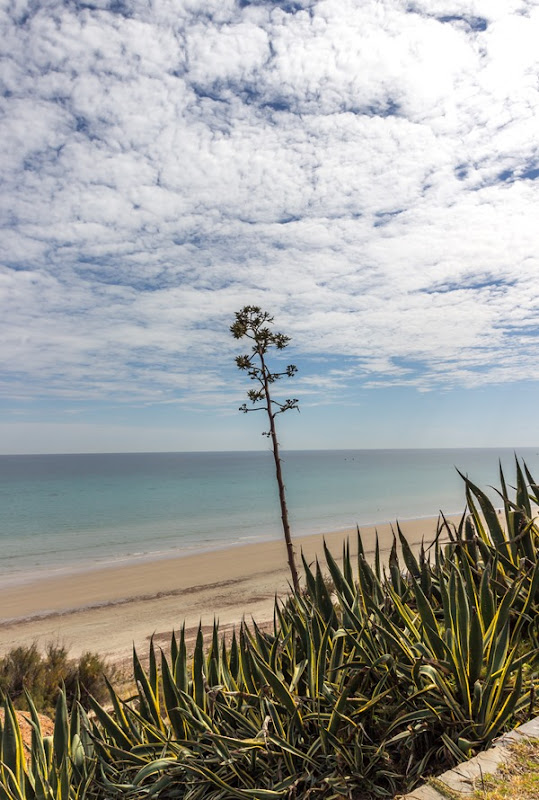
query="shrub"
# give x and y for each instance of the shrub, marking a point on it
(42, 675)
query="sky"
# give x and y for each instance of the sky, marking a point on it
(367, 171)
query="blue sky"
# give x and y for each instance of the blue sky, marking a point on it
(367, 171)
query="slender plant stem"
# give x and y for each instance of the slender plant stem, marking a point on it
(279, 476)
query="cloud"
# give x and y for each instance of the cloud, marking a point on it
(368, 172)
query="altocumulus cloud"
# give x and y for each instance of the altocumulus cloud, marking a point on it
(368, 169)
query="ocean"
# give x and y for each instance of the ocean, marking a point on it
(63, 513)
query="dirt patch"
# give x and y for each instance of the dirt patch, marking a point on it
(47, 727)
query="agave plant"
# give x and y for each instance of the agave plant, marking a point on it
(511, 540)
(58, 767)
(257, 719)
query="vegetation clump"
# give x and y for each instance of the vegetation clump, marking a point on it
(42, 675)
(359, 689)
(517, 778)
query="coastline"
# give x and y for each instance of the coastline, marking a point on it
(109, 609)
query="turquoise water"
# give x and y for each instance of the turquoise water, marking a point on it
(69, 512)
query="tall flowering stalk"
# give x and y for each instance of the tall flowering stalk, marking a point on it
(252, 323)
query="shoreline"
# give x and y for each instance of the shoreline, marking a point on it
(29, 577)
(108, 609)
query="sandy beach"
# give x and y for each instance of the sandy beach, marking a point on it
(110, 609)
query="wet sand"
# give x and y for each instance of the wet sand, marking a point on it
(108, 610)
